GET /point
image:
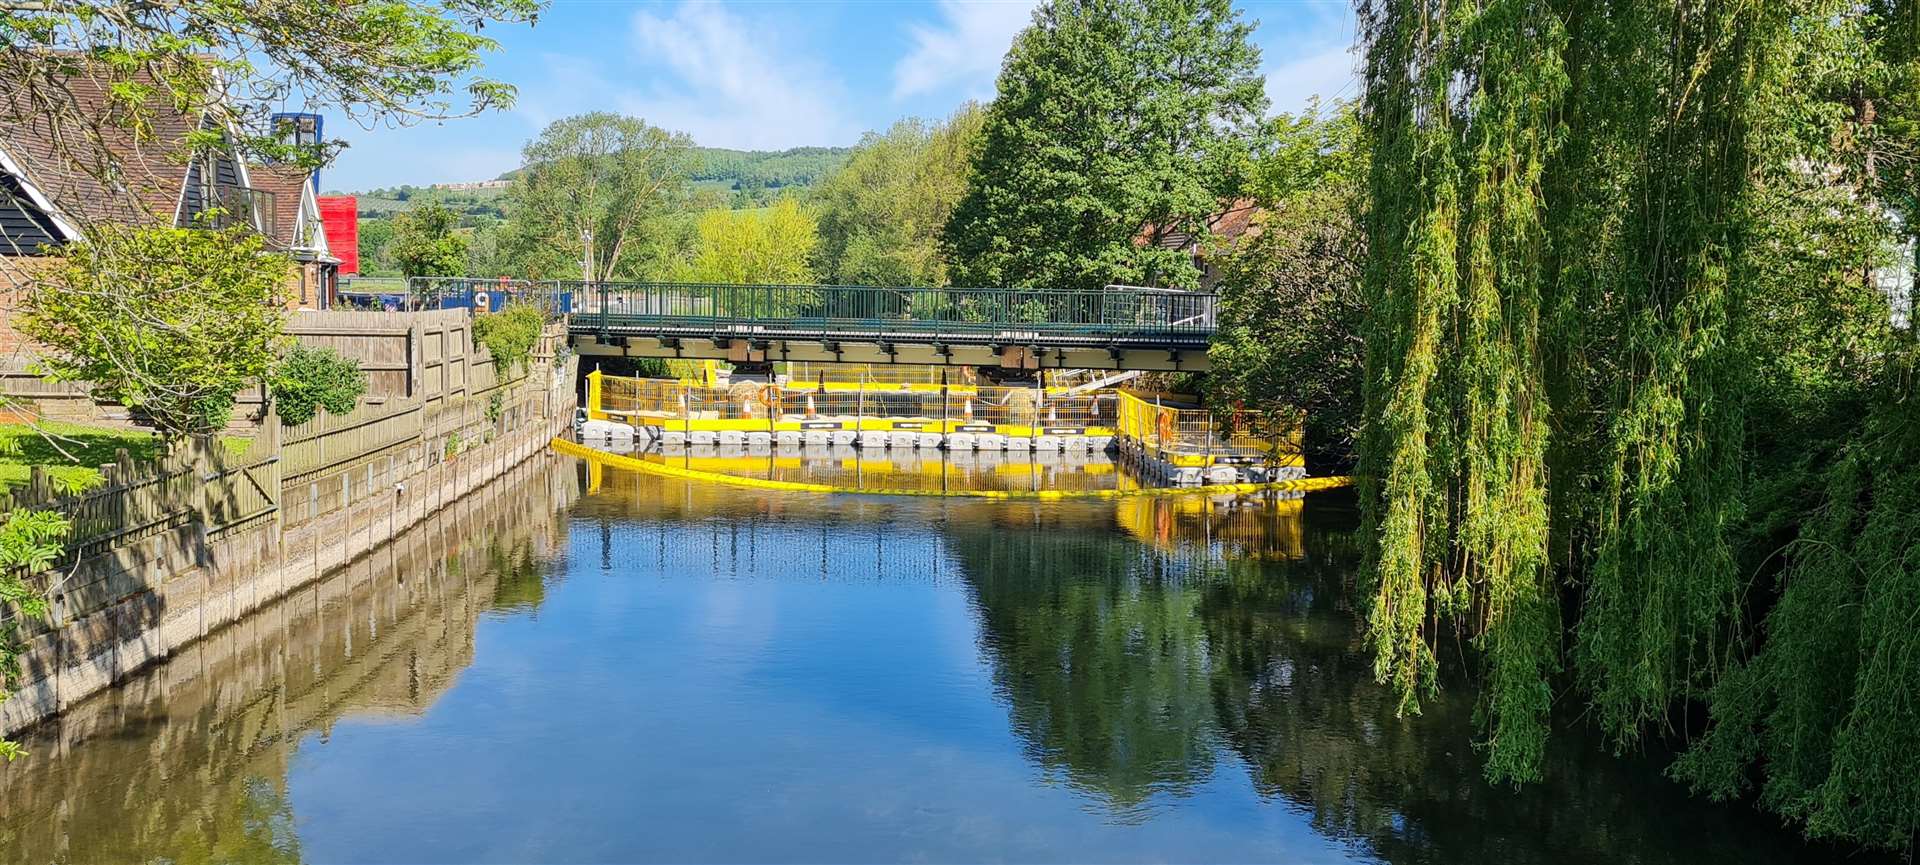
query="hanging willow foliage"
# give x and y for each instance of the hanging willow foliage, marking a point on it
(1621, 281)
(1454, 454)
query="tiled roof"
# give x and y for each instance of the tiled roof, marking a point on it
(1231, 223)
(148, 169)
(1227, 226)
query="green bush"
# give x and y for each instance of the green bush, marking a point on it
(30, 541)
(510, 334)
(309, 379)
(201, 320)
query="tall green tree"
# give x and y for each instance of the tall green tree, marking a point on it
(376, 258)
(881, 214)
(1291, 316)
(427, 242)
(614, 178)
(748, 247)
(1114, 119)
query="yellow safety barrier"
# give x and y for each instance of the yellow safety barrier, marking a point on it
(576, 449)
(1191, 437)
(750, 406)
(1178, 435)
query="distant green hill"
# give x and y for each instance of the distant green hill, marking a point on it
(773, 169)
(376, 203)
(747, 178)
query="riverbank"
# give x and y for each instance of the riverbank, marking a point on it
(178, 551)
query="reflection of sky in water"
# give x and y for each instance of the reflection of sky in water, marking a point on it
(707, 715)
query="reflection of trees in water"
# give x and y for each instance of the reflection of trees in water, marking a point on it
(1098, 653)
(520, 579)
(188, 762)
(1128, 669)
(1295, 698)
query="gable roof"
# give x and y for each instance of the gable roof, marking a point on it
(292, 216)
(1226, 226)
(288, 185)
(101, 170)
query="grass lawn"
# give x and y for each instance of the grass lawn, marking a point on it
(85, 449)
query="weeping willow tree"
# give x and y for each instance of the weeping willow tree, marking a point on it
(1453, 455)
(1625, 335)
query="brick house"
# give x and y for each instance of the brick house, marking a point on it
(101, 172)
(296, 230)
(1222, 230)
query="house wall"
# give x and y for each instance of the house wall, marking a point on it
(311, 285)
(16, 273)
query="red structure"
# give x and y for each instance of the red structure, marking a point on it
(340, 216)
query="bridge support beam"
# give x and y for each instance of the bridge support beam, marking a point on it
(742, 351)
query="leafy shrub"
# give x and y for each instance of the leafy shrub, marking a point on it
(309, 379)
(29, 543)
(201, 320)
(510, 334)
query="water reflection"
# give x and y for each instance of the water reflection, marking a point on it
(190, 761)
(679, 671)
(908, 469)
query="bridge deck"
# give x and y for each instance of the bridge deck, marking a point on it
(1123, 318)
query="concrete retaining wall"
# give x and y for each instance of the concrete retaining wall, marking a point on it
(122, 611)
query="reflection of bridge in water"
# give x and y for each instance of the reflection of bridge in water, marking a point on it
(1165, 536)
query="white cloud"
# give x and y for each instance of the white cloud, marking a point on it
(1327, 71)
(732, 85)
(964, 50)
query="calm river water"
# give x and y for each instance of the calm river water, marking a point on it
(605, 667)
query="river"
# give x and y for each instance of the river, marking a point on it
(612, 667)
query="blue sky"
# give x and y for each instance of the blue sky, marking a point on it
(770, 75)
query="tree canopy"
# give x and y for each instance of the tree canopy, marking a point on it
(397, 61)
(881, 214)
(614, 177)
(426, 242)
(1291, 315)
(1114, 118)
(753, 247)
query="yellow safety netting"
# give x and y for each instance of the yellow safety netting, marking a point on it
(1182, 431)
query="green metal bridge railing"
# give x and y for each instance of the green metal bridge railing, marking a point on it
(669, 308)
(831, 309)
